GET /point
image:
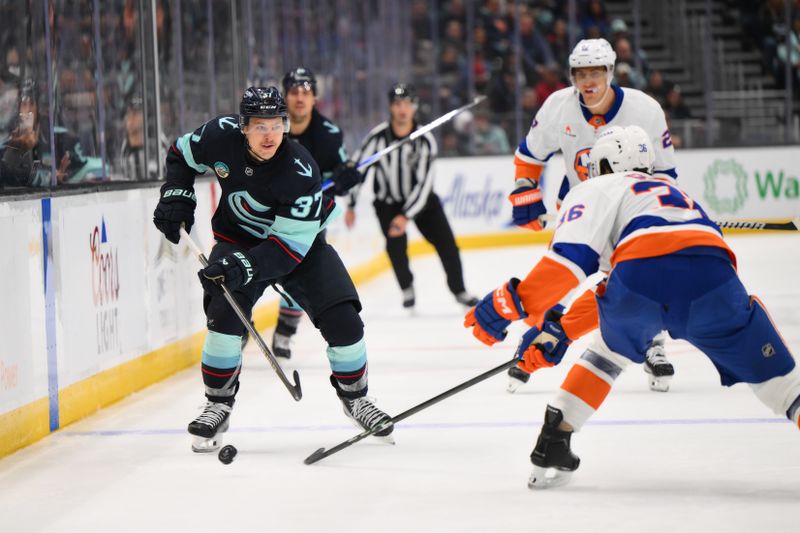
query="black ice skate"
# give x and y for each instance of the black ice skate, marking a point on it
(659, 370)
(282, 345)
(466, 299)
(367, 416)
(207, 429)
(552, 458)
(516, 378)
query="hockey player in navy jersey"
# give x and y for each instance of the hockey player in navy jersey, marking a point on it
(325, 141)
(267, 228)
(668, 269)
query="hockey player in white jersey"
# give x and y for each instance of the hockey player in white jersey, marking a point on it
(569, 121)
(668, 269)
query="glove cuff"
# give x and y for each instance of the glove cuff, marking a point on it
(178, 195)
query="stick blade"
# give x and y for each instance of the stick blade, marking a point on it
(314, 457)
(298, 392)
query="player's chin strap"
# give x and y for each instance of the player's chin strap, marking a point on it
(605, 93)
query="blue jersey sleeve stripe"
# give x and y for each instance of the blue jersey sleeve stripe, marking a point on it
(564, 189)
(523, 149)
(581, 255)
(671, 172)
(649, 221)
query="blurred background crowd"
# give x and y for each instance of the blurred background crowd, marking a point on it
(95, 91)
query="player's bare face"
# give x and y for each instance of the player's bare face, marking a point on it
(402, 111)
(592, 83)
(300, 102)
(264, 136)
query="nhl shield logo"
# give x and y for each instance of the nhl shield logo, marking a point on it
(222, 169)
(248, 171)
(768, 350)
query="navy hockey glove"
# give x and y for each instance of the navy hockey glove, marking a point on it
(234, 270)
(527, 203)
(495, 312)
(345, 177)
(543, 347)
(176, 207)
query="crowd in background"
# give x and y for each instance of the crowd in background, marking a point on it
(92, 126)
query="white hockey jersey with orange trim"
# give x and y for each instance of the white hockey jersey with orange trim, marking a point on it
(614, 218)
(563, 124)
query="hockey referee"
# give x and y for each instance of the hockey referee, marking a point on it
(403, 187)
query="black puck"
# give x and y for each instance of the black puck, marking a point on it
(227, 454)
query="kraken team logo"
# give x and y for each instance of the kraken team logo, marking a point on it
(248, 171)
(247, 209)
(222, 169)
(725, 184)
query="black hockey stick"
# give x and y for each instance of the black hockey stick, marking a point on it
(295, 389)
(792, 225)
(416, 134)
(322, 453)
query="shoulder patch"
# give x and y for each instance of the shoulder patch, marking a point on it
(305, 170)
(227, 121)
(331, 127)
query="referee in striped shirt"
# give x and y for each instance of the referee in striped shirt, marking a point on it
(403, 186)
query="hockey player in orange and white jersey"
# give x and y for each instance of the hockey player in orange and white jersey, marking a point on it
(570, 120)
(668, 269)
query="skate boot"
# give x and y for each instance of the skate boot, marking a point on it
(207, 429)
(659, 370)
(408, 298)
(282, 345)
(367, 416)
(516, 378)
(552, 458)
(466, 299)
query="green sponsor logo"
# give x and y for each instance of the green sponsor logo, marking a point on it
(725, 183)
(777, 185)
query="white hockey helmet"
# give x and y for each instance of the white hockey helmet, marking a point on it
(623, 149)
(592, 53)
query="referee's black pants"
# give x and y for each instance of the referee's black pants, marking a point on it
(433, 225)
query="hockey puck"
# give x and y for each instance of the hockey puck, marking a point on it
(227, 454)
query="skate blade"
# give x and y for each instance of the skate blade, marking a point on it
(513, 385)
(659, 384)
(547, 478)
(206, 445)
(388, 439)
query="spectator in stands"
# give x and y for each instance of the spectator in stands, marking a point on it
(658, 87)
(535, 48)
(559, 42)
(530, 104)
(551, 82)
(675, 105)
(453, 78)
(488, 138)
(771, 24)
(791, 53)
(595, 16)
(624, 52)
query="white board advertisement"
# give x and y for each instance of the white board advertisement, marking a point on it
(23, 355)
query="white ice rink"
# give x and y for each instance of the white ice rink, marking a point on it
(699, 458)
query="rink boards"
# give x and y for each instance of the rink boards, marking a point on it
(99, 305)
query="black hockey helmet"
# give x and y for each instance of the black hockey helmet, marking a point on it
(402, 90)
(262, 102)
(300, 77)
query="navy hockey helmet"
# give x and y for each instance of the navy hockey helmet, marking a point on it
(262, 102)
(300, 77)
(402, 90)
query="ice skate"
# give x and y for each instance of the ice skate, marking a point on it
(516, 378)
(408, 298)
(207, 429)
(466, 299)
(366, 415)
(552, 458)
(282, 345)
(659, 370)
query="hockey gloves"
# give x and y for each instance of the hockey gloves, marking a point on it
(543, 347)
(234, 270)
(495, 312)
(176, 207)
(527, 203)
(345, 177)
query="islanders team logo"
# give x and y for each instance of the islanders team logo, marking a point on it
(581, 164)
(222, 169)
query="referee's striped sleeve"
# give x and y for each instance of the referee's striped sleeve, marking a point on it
(418, 196)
